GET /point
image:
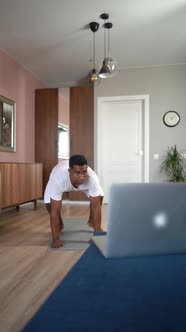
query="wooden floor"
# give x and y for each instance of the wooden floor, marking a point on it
(29, 272)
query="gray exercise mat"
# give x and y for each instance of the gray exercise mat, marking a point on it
(76, 235)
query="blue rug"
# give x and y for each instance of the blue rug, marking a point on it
(135, 294)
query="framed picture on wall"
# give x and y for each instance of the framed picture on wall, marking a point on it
(7, 124)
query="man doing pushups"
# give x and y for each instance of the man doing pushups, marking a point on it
(74, 175)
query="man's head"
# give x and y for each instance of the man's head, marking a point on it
(77, 169)
(78, 160)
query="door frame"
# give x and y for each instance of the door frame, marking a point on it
(145, 127)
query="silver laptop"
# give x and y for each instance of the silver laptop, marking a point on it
(145, 219)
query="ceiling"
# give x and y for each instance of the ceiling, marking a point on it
(52, 39)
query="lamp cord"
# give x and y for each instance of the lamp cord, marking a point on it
(104, 41)
(108, 52)
(94, 52)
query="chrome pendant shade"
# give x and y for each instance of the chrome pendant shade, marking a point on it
(109, 68)
(105, 71)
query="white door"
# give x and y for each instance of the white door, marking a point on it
(120, 142)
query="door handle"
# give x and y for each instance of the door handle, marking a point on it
(140, 153)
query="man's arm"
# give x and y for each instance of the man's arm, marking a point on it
(95, 206)
(55, 224)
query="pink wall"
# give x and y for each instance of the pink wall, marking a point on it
(18, 84)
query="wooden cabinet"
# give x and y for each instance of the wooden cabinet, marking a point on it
(82, 127)
(46, 130)
(20, 183)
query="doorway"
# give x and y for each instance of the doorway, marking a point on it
(122, 140)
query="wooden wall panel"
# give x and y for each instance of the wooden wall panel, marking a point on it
(82, 126)
(46, 130)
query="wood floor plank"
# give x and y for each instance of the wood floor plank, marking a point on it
(29, 272)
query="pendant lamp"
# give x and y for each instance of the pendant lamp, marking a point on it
(109, 66)
(93, 76)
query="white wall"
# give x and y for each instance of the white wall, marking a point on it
(166, 86)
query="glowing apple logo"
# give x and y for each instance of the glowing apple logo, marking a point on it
(160, 220)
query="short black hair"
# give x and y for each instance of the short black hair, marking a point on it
(77, 159)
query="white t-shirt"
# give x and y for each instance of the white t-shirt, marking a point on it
(59, 182)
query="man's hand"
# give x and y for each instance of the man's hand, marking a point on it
(56, 244)
(95, 214)
(98, 230)
(56, 223)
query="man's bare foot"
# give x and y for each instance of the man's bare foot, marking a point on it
(61, 226)
(90, 224)
(98, 230)
(56, 244)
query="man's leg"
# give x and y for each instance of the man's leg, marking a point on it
(90, 221)
(48, 207)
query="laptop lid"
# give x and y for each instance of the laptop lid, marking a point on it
(146, 218)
